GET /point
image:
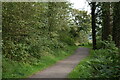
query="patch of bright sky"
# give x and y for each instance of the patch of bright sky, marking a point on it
(81, 5)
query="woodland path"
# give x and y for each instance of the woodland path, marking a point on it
(62, 68)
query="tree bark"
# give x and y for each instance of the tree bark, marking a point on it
(106, 29)
(93, 25)
(116, 24)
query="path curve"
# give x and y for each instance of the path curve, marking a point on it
(62, 68)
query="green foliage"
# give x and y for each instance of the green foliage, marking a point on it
(110, 45)
(107, 45)
(18, 52)
(15, 69)
(34, 31)
(102, 63)
(107, 21)
(87, 45)
(64, 37)
(33, 35)
(81, 26)
(29, 32)
(82, 20)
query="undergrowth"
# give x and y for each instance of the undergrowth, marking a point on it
(15, 69)
(102, 63)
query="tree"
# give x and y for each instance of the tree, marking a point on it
(30, 29)
(81, 26)
(116, 23)
(106, 21)
(93, 7)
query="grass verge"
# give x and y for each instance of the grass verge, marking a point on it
(14, 69)
(80, 69)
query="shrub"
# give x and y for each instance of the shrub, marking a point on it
(17, 52)
(107, 45)
(105, 64)
(102, 63)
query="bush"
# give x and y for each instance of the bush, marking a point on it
(102, 63)
(66, 38)
(107, 44)
(17, 52)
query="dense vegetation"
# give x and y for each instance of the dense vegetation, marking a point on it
(101, 63)
(104, 60)
(36, 35)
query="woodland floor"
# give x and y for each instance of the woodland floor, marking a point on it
(62, 68)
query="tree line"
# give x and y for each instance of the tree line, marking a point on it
(105, 22)
(31, 29)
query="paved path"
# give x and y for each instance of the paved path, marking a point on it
(62, 68)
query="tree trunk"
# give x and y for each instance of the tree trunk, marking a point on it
(106, 29)
(93, 25)
(116, 24)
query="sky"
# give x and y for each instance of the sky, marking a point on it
(81, 5)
